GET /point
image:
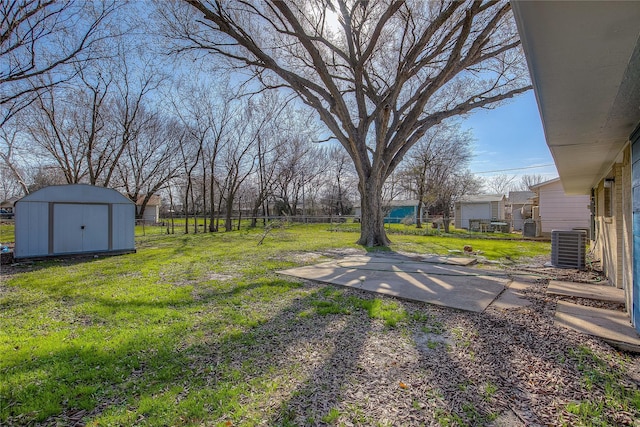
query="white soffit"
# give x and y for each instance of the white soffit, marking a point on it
(584, 59)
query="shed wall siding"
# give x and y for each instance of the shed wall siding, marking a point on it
(32, 229)
(123, 227)
(474, 211)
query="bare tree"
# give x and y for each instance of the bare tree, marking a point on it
(443, 152)
(135, 82)
(190, 142)
(239, 156)
(451, 187)
(11, 170)
(149, 162)
(527, 181)
(87, 124)
(379, 73)
(342, 175)
(269, 153)
(299, 163)
(56, 126)
(42, 43)
(499, 184)
(207, 114)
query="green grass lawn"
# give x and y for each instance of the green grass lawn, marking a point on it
(175, 333)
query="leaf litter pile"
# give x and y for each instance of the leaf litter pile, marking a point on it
(440, 366)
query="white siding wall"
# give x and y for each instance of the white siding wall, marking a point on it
(561, 212)
(151, 213)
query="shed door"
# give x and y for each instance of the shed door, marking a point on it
(635, 171)
(80, 228)
(475, 211)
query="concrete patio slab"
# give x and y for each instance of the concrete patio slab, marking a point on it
(442, 284)
(610, 325)
(465, 262)
(583, 290)
(513, 297)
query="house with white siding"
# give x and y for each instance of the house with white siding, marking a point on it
(555, 210)
(584, 62)
(151, 214)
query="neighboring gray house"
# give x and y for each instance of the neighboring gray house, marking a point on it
(73, 219)
(519, 204)
(485, 208)
(558, 211)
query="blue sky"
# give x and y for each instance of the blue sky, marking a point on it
(510, 137)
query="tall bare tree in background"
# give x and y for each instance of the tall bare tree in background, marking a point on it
(529, 180)
(499, 184)
(379, 73)
(341, 177)
(435, 163)
(149, 161)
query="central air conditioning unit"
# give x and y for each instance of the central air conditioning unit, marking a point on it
(568, 248)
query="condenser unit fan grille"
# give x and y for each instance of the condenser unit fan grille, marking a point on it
(568, 248)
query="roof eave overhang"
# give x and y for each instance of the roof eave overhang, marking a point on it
(584, 60)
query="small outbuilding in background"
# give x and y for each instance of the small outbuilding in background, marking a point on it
(73, 219)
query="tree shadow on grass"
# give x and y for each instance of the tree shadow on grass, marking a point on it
(169, 373)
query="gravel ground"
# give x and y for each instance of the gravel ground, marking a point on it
(449, 367)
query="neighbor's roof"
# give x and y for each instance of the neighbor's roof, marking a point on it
(10, 201)
(520, 197)
(542, 184)
(481, 198)
(154, 200)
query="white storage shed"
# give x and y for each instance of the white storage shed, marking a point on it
(73, 219)
(487, 207)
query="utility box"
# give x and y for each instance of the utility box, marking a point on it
(529, 229)
(568, 248)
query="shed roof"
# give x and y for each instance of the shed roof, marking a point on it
(482, 198)
(76, 193)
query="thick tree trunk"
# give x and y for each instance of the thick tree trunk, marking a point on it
(228, 225)
(212, 203)
(371, 218)
(419, 214)
(446, 221)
